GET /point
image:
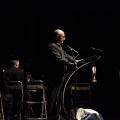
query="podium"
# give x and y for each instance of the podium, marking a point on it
(66, 81)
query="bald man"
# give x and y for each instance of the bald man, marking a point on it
(58, 60)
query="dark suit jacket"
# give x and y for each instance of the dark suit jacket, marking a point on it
(57, 60)
(14, 74)
(10, 74)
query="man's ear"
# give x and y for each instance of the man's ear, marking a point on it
(58, 36)
(16, 65)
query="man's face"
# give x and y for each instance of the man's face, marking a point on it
(61, 37)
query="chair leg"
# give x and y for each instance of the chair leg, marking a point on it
(1, 106)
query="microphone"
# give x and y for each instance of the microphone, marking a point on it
(72, 49)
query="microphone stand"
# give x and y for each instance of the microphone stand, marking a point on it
(75, 81)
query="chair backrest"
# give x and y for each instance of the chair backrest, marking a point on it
(16, 89)
(81, 94)
(36, 100)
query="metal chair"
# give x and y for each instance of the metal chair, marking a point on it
(81, 95)
(1, 108)
(16, 89)
(36, 102)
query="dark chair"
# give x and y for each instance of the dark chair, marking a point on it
(16, 89)
(36, 102)
(81, 95)
(1, 108)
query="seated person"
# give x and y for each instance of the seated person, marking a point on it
(13, 73)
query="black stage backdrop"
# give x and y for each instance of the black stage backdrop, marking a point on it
(26, 28)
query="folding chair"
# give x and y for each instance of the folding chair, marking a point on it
(16, 89)
(36, 103)
(1, 108)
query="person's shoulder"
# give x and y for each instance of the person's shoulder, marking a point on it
(51, 44)
(21, 70)
(6, 70)
(17, 70)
